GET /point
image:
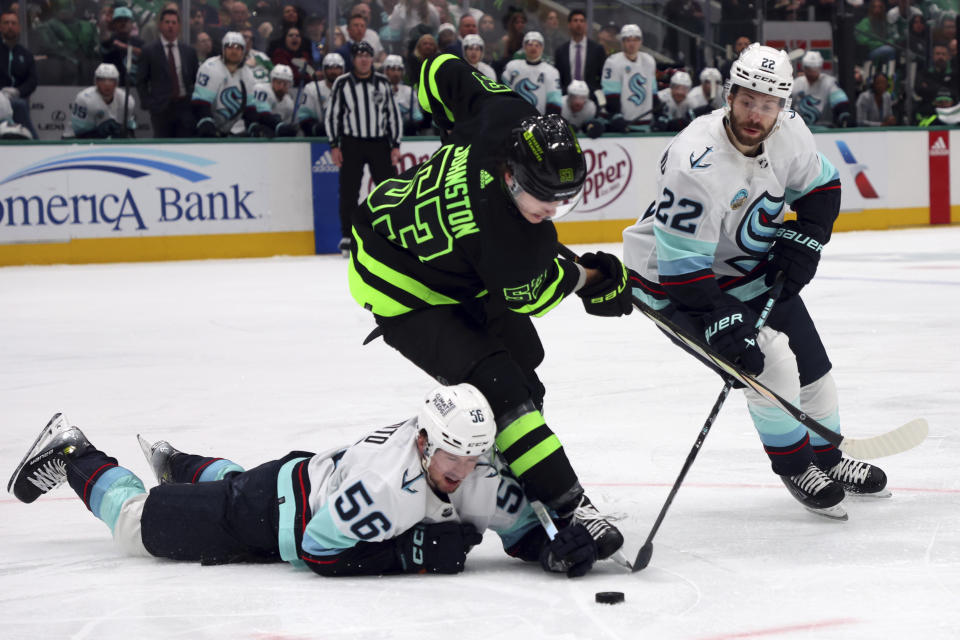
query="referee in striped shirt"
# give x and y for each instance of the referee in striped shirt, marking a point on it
(364, 125)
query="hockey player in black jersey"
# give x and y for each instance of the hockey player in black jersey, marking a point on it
(453, 257)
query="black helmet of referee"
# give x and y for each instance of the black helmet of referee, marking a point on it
(546, 160)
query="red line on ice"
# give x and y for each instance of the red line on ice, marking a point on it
(778, 630)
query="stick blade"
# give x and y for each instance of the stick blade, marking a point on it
(643, 557)
(903, 438)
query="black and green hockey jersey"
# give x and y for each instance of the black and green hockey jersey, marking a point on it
(447, 231)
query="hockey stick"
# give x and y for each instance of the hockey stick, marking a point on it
(646, 551)
(903, 438)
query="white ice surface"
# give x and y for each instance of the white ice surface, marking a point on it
(249, 359)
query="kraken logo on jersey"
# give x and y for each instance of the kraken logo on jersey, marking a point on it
(809, 108)
(232, 100)
(756, 232)
(638, 91)
(526, 88)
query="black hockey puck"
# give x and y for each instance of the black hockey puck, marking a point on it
(609, 597)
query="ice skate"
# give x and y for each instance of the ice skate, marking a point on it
(158, 455)
(859, 478)
(344, 246)
(817, 491)
(608, 537)
(44, 468)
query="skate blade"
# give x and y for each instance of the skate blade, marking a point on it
(46, 432)
(146, 447)
(621, 560)
(883, 493)
(836, 512)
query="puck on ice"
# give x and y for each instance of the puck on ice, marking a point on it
(609, 597)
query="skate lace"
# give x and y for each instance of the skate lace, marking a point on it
(813, 480)
(595, 523)
(850, 471)
(49, 476)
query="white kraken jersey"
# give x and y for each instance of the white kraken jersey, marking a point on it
(670, 107)
(718, 209)
(377, 489)
(580, 118)
(222, 90)
(486, 70)
(89, 110)
(265, 101)
(316, 97)
(6, 109)
(635, 81)
(697, 99)
(408, 103)
(538, 84)
(815, 102)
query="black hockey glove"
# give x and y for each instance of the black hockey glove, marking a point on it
(617, 124)
(573, 552)
(731, 331)
(285, 130)
(206, 128)
(796, 252)
(109, 129)
(611, 295)
(436, 548)
(594, 129)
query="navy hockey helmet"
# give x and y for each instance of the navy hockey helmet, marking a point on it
(546, 160)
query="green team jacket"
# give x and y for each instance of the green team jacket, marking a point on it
(447, 231)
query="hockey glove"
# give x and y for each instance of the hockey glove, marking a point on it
(611, 295)
(436, 548)
(109, 129)
(796, 252)
(731, 331)
(594, 129)
(285, 130)
(573, 552)
(206, 128)
(617, 124)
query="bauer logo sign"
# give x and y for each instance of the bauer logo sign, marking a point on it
(609, 170)
(49, 194)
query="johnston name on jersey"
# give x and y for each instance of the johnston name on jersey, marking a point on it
(718, 210)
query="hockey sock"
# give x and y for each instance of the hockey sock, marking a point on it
(819, 400)
(187, 467)
(535, 455)
(102, 484)
(784, 440)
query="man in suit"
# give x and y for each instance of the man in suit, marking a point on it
(168, 70)
(579, 50)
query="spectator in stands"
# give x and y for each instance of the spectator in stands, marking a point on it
(609, 38)
(443, 11)
(874, 107)
(487, 29)
(673, 110)
(425, 47)
(259, 62)
(210, 15)
(203, 46)
(580, 111)
(316, 96)
(410, 13)
(315, 31)
(919, 41)
(741, 43)
(579, 58)
(817, 97)
(873, 32)
(935, 86)
(536, 81)
(553, 37)
(944, 27)
(293, 53)
(515, 25)
(68, 40)
(629, 82)
(404, 96)
(165, 79)
(447, 41)
(100, 111)
(113, 49)
(18, 78)
(468, 25)
(357, 31)
(708, 95)
(473, 53)
(292, 16)
(898, 17)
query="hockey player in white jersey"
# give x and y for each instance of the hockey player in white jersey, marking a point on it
(708, 250)
(673, 108)
(223, 91)
(316, 96)
(580, 111)
(273, 105)
(98, 111)
(536, 81)
(818, 98)
(403, 95)
(413, 497)
(629, 82)
(473, 46)
(708, 95)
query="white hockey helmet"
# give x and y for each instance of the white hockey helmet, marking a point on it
(711, 74)
(457, 419)
(233, 38)
(106, 71)
(812, 59)
(14, 131)
(682, 79)
(578, 88)
(393, 61)
(282, 72)
(764, 70)
(532, 36)
(333, 60)
(472, 40)
(630, 31)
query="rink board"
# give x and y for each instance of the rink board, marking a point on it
(113, 202)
